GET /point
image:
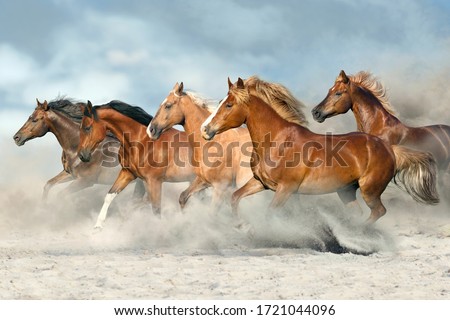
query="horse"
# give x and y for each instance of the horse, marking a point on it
(222, 163)
(366, 97)
(232, 167)
(62, 117)
(165, 160)
(288, 158)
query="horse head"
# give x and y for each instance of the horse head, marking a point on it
(337, 101)
(92, 132)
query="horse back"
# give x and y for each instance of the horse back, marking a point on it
(434, 139)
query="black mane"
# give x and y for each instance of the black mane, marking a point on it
(136, 113)
(67, 106)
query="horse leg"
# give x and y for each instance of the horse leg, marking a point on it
(282, 194)
(123, 179)
(197, 185)
(139, 189)
(371, 195)
(154, 187)
(61, 177)
(77, 185)
(348, 197)
(251, 187)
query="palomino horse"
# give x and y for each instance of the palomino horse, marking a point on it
(154, 162)
(62, 117)
(289, 158)
(232, 166)
(221, 163)
(366, 97)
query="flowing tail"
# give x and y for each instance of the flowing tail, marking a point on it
(416, 171)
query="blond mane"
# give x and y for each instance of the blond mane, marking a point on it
(279, 98)
(202, 102)
(370, 83)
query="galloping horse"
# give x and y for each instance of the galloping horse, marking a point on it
(289, 158)
(154, 162)
(231, 167)
(62, 117)
(365, 96)
(219, 163)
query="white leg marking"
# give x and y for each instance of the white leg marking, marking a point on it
(102, 216)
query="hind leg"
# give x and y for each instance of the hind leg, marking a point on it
(348, 197)
(372, 186)
(371, 195)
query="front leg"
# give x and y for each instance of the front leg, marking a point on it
(196, 186)
(282, 194)
(154, 187)
(61, 177)
(124, 178)
(251, 187)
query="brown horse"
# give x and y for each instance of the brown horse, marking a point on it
(167, 159)
(219, 163)
(232, 166)
(62, 117)
(289, 158)
(366, 97)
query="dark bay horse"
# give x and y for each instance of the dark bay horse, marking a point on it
(155, 162)
(366, 97)
(289, 158)
(62, 117)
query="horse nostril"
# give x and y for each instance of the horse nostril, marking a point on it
(16, 138)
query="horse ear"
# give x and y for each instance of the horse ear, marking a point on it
(175, 87)
(240, 83)
(45, 105)
(230, 84)
(180, 88)
(38, 102)
(343, 77)
(87, 111)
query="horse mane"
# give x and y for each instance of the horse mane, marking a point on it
(136, 113)
(279, 98)
(202, 102)
(370, 83)
(69, 107)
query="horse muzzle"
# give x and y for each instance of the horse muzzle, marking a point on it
(19, 140)
(84, 155)
(207, 133)
(318, 115)
(153, 131)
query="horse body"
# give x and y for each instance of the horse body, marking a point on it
(220, 163)
(366, 98)
(53, 117)
(357, 160)
(153, 162)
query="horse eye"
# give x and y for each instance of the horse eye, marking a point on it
(87, 129)
(168, 105)
(339, 93)
(229, 105)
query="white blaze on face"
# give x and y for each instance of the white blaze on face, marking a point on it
(212, 115)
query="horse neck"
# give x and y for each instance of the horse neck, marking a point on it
(193, 118)
(370, 115)
(65, 130)
(261, 120)
(124, 128)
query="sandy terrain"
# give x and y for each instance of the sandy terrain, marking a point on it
(49, 251)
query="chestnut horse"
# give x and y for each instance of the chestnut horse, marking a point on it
(62, 117)
(154, 162)
(289, 158)
(366, 97)
(232, 166)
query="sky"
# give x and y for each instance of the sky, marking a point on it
(136, 51)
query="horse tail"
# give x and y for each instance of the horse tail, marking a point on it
(416, 171)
